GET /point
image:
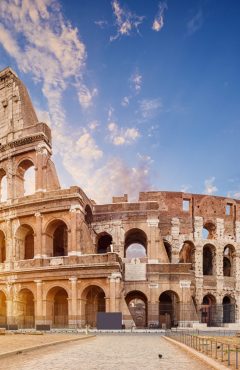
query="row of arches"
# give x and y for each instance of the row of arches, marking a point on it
(93, 300)
(171, 310)
(24, 177)
(56, 241)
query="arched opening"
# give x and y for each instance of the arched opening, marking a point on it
(168, 249)
(57, 307)
(168, 309)
(228, 260)
(208, 259)
(2, 247)
(135, 244)
(137, 305)
(94, 298)
(209, 231)
(24, 241)
(3, 309)
(25, 179)
(228, 310)
(25, 309)
(88, 215)
(57, 239)
(3, 186)
(187, 253)
(104, 242)
(29, 181)
(209, 310)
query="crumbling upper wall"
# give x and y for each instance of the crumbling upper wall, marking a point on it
(16, 109)
(184, 207)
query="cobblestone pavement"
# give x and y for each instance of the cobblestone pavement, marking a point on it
(108, 352)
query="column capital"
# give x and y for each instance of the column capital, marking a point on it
(73, 279)
(38, 281)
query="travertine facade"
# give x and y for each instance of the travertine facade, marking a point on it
(168, 259)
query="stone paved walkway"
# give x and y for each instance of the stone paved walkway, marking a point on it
(107, 352)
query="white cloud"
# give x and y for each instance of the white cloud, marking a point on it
(136, 81)
(158, 22)
(210, 188)
(125, 101)
(195, 23)
(93, 125)
(121, 136)
(149, 107)
(126, 21)
(185, 188)
(86, 96)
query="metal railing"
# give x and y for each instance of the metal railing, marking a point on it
(227, 353)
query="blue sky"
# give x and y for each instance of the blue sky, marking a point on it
(140, 95)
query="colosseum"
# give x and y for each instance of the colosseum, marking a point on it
(169, 259)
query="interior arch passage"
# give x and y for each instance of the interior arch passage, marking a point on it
(168, 309)
(93, 301)
(137, 306)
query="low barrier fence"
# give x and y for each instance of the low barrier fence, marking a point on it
(227, 353)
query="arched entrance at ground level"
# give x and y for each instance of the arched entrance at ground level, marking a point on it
(3, 309)
(25, 309)
(137, 305)
(93, 299)
(168, 309)
(57, 307)
(228, 310)
(209, 314)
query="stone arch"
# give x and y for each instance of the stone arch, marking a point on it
(24, 184)
(3, 185)
(3, 309)
(24, 242)
(168, 309)
(57, 238)
(209, 230)
(57, 307)
(187, 253)
(104, 242)
(209, 314)
(168, 249)
(209, 259)
(2, 247)
(93, 300)
(137, 304)
(229, 260)
(135, 245)
(25, 309)
(229, 308)
(88, 215)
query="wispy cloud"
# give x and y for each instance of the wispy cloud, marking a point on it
(195, 23)
(136, 81)
(158, 22)
(126, 21)
(101, 23)
(149, 107)
(125, 101)
(86, 96)
(121, 136)
(210, 188)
